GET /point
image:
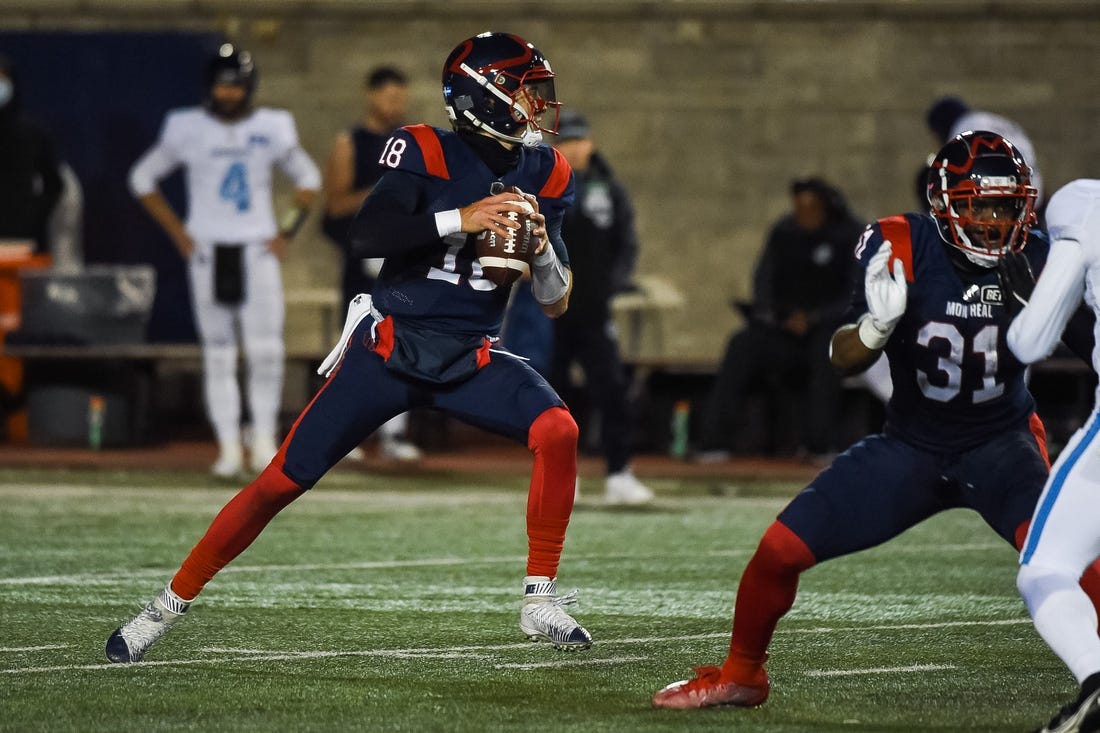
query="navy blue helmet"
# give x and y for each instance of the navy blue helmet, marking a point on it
(501, 84)
(230, 65)
(979, 187)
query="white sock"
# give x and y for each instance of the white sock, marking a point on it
(395, 427)
(223, 395)
(1064, 616)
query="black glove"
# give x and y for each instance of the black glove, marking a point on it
(1017, 281)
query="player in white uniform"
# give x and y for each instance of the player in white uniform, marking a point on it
(231, 241)
(1064, 538)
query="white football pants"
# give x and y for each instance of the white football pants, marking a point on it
(1062, 542)
(258, 320)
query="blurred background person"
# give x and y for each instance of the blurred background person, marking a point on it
(603, 249)
(801, 285)
(949, 115)
(351, 172)
(231, 242)
(31, 187)
(30, 172)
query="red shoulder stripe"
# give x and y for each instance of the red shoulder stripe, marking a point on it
(896, 229)
(1040, 432)
(559, 177)
(434, 162)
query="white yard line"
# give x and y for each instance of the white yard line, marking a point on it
(32, 648)
(222, 655)
(906, 627)
(575, 662)
(87, 578)
(877, 670)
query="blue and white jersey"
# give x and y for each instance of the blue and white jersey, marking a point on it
(440, 286)
(955, 381)
(228, 169)
(1073, 274)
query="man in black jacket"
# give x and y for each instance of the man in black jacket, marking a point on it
(800, 290)
(30, 178)
(603, 250)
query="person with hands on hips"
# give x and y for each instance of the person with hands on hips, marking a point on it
(232, 243)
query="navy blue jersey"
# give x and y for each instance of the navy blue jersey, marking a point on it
(368, 148)
(956, 383)
(439, 287)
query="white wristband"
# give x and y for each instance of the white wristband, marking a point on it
(871, 335)
(448, 222)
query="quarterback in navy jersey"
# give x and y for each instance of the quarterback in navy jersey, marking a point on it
(961, 429)
(425, 337)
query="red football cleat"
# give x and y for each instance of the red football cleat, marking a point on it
(708, 689)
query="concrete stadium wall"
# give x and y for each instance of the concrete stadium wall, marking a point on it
(707, 108)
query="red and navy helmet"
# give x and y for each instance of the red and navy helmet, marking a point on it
(230, 65)
(501, 84)
(979, 187)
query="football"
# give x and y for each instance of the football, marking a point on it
(504, 259)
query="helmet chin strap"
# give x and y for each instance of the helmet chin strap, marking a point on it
(531, 136)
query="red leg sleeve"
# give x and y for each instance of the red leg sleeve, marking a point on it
(766, 592)
(553, 439)
(236, 526)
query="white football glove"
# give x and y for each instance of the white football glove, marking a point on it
(886, 297)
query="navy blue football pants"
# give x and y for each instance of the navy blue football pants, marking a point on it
(882, 486)
(504, 397)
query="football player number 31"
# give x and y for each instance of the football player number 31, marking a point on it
(950, 366)
(234, 187)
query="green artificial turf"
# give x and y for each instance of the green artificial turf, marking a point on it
(390, 603)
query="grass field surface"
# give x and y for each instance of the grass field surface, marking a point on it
(391, 603)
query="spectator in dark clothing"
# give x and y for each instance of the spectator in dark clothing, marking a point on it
(352, 170)
(603, 247)
(30, 179)
(800, 287)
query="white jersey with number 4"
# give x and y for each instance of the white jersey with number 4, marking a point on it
(228, 169)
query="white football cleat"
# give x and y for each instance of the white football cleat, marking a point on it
(230, 461)
(263, 450)
(399, 450)
(624, 488)
(543, 619)
(130, 641)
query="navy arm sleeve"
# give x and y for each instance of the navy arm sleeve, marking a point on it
(386, 224)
